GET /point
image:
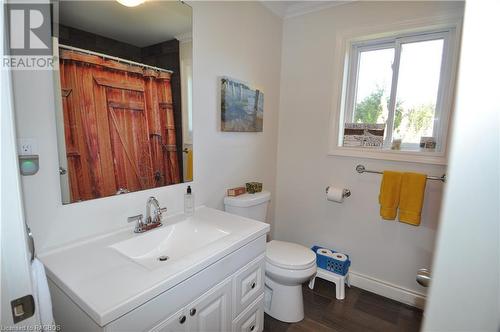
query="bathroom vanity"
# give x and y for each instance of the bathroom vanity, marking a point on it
(199, 273)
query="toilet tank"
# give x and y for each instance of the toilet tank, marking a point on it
(253, 206)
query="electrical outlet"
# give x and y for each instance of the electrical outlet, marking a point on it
(26, 146)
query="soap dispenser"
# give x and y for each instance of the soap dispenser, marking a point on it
(188, 202)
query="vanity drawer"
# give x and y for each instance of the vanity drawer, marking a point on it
(252, 319)
(248, 284)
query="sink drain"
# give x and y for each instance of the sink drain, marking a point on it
(163, 258)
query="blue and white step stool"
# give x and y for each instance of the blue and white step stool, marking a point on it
(332, 269)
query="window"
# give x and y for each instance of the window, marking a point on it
(397, 93)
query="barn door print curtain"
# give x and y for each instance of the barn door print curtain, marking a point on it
(118, 124)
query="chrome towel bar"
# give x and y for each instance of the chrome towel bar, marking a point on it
(361, 169)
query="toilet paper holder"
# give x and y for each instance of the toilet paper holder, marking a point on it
(345, 193)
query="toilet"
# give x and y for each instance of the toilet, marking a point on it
(288, 265)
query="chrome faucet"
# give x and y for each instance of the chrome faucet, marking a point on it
(156, 217)
(152, 221)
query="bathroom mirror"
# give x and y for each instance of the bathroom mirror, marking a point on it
(123, 96)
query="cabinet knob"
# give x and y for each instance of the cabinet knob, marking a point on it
(192, 312)
(182, 319)
(252, 327)
(253, 285)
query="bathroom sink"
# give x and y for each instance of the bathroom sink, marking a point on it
(158, 247)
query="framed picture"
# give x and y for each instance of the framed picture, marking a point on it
(242, 107)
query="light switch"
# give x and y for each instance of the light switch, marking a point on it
(18, 310)
(22, 308)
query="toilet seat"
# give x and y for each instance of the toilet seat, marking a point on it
(290, 256)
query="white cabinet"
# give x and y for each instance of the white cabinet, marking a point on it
(209, 313)
(212, 311)
(175, 323)
(248, 284)
(252, 319)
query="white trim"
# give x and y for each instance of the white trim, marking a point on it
(393, 95)
(59, 117)
(396, 42)
(306, 7)
(435, 158)
(185, 37)
(291, 9)
(386, 289)
(341, 74)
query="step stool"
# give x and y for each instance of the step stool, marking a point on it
(339, 281)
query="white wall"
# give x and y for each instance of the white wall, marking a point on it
(238, 39)
(390, 252)
(471, 213)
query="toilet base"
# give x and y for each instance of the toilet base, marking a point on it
(284, 302)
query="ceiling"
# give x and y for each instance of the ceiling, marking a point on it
(287, 9)
(147, 24)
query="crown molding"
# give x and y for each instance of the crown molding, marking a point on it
(305, 7)
(289, 9)
(278, 8)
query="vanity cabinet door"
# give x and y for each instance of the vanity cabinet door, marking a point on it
(248, 285)
(178, 322)
(252, 319)
(212, 311)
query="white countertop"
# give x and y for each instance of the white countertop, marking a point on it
(107, 285)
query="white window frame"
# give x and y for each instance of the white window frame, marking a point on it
(444, 101)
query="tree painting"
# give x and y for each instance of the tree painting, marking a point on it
(242, 108)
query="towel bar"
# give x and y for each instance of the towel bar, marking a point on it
(361, 169)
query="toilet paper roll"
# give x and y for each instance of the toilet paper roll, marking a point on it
(324, 252)
(335, 194)
(339, 256)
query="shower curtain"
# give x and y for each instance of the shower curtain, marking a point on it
(118, 124)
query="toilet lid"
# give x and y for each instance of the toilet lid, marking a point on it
(289, 255)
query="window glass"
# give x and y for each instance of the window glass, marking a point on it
(373, 86)
(417, 92)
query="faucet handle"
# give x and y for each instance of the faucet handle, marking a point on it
(134, 218)
(158, 214)
(139, 224)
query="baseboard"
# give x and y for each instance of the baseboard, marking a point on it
(388, 290)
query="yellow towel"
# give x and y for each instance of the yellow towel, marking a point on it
(390, 189)
(412, 198)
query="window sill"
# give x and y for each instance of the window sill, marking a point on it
(435, 158)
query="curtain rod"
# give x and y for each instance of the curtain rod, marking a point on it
(113, 58)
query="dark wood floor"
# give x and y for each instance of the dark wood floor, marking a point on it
(359, 311)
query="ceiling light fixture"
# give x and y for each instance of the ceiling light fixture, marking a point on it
(131, 3)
